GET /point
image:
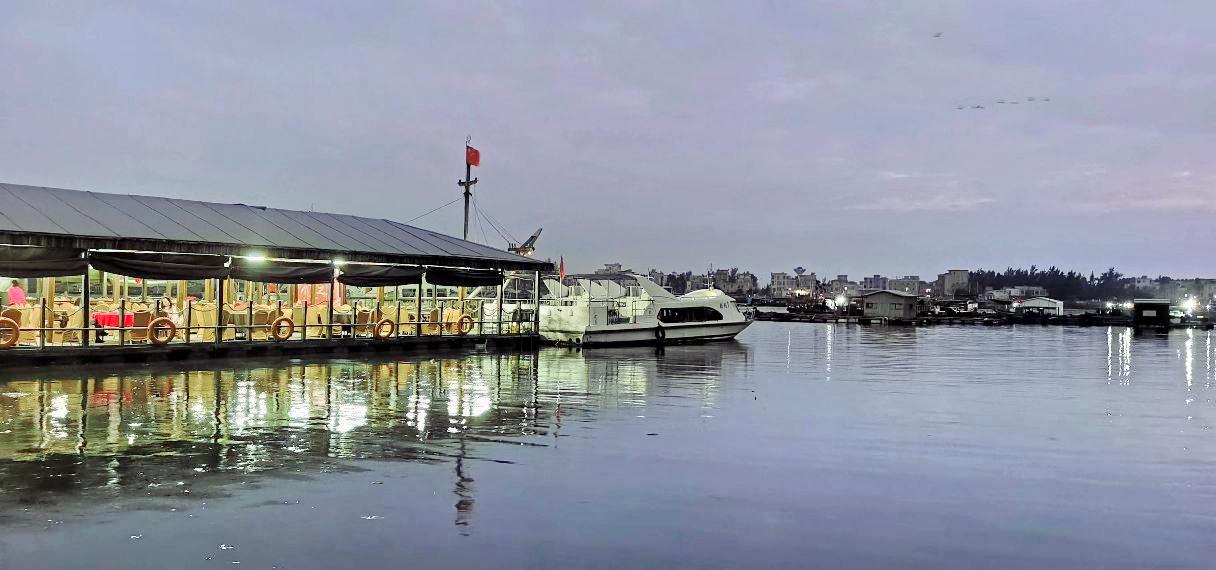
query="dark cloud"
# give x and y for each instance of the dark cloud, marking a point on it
(673, 135)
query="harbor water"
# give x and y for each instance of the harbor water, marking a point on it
(797, 445)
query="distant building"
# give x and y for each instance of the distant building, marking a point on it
(658, 277)
(1145, 283)
(610, 268)
(734, 282)
(1043, 305)
(1017, 292)
(806, 282)
(877, 283)
(908, 284)
(842, 286)
(1202, 289)
(889, 304)
(697, 281)
(952, 283)
(780, 284)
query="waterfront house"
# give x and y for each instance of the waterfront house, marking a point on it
(895, 305)
(1043, 306)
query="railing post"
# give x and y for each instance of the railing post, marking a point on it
(189, 318)
(122, 321)
(397, 322)
(304, 331)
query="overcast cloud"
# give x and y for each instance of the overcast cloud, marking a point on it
(673, 135)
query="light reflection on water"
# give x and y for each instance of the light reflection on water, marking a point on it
(67, 435)
(855, 446)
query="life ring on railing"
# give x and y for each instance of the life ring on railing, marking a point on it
(159, 324)
(14, 332)
(464, 325)
(280, 334)
(380, 331)
(660, 334)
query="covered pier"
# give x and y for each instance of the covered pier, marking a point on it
(87, 274)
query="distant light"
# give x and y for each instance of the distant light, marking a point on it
(1110, 305)
(1128, 305)
(841, 299)
(1190, 305)
(256, 258)
(339, 262)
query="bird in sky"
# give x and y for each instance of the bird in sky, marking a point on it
(937, 35)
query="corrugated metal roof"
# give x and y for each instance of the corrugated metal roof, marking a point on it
(32, 215)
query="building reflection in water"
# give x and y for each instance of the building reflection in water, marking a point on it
(162, 432)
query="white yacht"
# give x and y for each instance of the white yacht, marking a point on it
(632, 309)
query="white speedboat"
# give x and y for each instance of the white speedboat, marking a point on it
(632, 309)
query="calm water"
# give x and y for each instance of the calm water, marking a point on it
(797, 446)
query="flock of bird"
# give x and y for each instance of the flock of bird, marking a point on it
(980, 106)
(1005, 102)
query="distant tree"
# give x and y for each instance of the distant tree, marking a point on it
(1070, 285)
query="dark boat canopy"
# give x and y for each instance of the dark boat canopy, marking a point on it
(161, 265)
(52, 217)
(462, 278)
(41, 261)
(294, 272)
(379, 275)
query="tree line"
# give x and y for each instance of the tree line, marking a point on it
(1064, 285)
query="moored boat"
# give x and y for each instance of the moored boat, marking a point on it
(600, 309)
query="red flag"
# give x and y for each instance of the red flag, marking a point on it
(561, 268)
(472, 156)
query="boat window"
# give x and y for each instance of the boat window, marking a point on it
(689, 315)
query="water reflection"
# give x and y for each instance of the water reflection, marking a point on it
(161, 432)
(1119, 355)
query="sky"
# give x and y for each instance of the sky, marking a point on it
(669, 135)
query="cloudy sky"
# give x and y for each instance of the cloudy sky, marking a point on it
(676, 135)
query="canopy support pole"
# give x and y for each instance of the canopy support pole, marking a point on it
(85, 300)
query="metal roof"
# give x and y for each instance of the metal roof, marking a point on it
(33, 215)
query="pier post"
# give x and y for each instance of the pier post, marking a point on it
(536, 302)
(333, 284)
(418, 308)
(501, 287)
(85, 299)
(219, 311)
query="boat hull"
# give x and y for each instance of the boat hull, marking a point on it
(683, 333)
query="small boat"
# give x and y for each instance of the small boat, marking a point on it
(605, 309)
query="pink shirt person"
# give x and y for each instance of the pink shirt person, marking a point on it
(16, 295)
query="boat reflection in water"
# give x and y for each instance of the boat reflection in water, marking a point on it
(155, 432)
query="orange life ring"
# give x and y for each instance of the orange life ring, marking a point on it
(379, 331)
(278, 333)
(161, 323)
(464, 325)
(14, 332)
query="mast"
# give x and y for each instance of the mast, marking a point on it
(471, 158)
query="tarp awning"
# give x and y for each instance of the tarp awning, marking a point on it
(281, 271)
(161, 265)
(30, 262)
(379, 275)
(462, 277)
